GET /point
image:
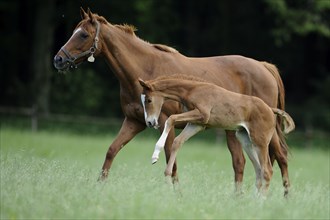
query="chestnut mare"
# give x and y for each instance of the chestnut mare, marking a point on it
(208, 105)
(129, 58)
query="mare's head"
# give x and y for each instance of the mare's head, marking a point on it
(152, 102)
(83, 44)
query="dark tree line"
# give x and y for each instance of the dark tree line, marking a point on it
(293, 34)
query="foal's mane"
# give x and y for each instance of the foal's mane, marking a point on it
(158, 84)
(131, 29)
(178, 77)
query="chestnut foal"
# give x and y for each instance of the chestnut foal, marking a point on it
(208, 105)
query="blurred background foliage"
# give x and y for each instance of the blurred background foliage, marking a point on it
(292, 34)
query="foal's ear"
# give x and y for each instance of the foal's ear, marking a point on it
(90, 15)
(83, 14)
(144, 84)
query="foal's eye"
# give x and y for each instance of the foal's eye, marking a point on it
(148, 100)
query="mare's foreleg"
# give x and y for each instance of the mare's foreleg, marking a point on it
(168, 146)
(129, 129)
(189, 131)
(238, 159)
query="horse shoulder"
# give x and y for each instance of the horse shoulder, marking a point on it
(204, 99)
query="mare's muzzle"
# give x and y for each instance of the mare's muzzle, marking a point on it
(61, 63)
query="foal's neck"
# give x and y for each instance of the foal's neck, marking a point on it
(175, 89)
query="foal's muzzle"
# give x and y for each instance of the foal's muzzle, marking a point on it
(152, 123)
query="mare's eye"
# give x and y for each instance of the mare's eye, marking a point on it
(83, 35)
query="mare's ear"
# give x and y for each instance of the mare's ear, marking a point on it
(90, 15)
(83, 14)
(144, 84)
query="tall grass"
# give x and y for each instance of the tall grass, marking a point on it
(53, 175)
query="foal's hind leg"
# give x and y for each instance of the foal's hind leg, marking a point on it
(266, 167)
(259, 157)
(261, 142)
(244, 138)
(282, 161)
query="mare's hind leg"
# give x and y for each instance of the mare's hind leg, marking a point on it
(189, 131)
(238, 159)
(281, 158)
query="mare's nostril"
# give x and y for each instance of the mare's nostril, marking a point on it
(58, 59)
(149, 124)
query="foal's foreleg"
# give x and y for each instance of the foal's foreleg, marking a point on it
(189, 131)
(161, 141)
(191, 116)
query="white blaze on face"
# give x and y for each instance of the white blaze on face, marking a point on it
(143, 98)
(74, 33)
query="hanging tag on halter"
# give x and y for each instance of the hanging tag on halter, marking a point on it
(91, 59)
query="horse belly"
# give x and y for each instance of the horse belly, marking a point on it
(225, 118)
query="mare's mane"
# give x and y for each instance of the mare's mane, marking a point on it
(130, 29)
(127, 28)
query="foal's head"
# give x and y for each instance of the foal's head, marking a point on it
(83, 44)
(152, 102)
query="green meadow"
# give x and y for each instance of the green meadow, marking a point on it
(52, 174)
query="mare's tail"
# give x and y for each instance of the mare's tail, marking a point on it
(288, 123)
(280, 103)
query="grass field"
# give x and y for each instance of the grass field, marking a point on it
(52, 174)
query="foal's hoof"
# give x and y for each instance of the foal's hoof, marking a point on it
(154, 160)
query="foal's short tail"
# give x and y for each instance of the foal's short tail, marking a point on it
(287, 121)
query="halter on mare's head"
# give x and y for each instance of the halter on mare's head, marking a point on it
(69, 60)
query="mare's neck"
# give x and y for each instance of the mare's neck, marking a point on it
(125, 54)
